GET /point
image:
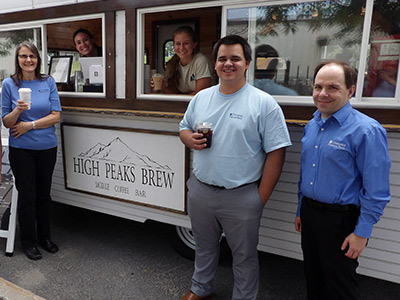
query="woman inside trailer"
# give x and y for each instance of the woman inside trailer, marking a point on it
(188, 71)
(85, 43)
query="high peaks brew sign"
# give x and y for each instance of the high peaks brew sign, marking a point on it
(143, 167)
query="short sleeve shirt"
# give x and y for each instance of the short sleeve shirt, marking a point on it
(199, 67)
(247, 125)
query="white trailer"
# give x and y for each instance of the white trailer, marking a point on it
(119, 151)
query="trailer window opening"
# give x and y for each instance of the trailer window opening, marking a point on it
(158, 29)
(58, 43)
(83, 40)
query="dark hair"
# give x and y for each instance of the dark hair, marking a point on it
(17, 76)
(172, 75)
(81, 30)
(232, 40)
(350, 74)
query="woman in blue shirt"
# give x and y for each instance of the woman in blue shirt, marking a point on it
(32, 146)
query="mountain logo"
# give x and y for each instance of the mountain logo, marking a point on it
(120, 152)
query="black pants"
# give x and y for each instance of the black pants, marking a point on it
(330, 275)
(33, 171)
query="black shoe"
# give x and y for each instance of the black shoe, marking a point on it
(49, 246)
(33, 253)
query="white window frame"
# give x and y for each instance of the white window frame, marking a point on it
(140, 38)
(42, 25)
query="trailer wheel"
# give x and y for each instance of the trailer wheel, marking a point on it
(182, 240)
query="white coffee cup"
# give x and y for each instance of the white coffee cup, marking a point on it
(25, 94)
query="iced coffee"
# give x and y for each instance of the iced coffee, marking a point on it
(158, 80)
(206, 129)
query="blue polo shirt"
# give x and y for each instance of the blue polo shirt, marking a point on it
(345, 160)
(247, 125)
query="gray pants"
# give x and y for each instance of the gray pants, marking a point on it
(236, 212)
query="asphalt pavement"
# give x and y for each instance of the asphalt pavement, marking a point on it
(103, 257)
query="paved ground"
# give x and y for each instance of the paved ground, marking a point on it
(104, 258)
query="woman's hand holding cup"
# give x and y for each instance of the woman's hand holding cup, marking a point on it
(22, 105)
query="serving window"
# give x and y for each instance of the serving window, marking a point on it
(155, 31)
(81, 40)
(77, 72)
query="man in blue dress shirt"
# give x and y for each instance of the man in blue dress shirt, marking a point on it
(343, 187)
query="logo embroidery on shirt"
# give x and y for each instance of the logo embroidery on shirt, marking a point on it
(337, 145)
(44, 91)
(193, 77)
(235, 116)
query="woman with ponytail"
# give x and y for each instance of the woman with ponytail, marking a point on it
(188, 71)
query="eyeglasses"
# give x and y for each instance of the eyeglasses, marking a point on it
(25, 57)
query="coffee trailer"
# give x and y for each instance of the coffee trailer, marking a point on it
(119, 151)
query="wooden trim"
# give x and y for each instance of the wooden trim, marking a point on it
(382, 115)
(110, 55)
(130, 66)
(130, 104)
(140, 113)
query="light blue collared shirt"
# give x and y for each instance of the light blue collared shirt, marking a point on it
(345, 160)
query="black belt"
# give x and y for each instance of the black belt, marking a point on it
(224, 188)
(330, 206)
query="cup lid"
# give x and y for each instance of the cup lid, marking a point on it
(204, 125)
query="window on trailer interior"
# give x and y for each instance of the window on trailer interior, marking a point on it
(78, 41)
(83, 41)
(187, 53)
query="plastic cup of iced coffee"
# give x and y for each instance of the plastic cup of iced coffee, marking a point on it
(206, 128)
(158, 80)
(25, 94)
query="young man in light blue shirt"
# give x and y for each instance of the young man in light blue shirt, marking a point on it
(233, 179)
(343, 187)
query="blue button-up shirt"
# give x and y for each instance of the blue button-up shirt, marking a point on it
(345, 160)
